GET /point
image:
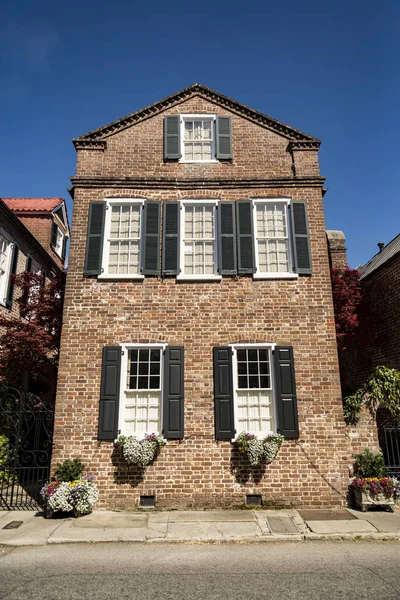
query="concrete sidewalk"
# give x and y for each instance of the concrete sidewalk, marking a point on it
(197, 526)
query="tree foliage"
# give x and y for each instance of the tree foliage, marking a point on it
(31, 342)
(346, 290)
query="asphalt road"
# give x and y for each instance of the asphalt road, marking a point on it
(306, 570)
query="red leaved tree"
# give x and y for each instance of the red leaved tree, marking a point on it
(346, 289)
(30, 343)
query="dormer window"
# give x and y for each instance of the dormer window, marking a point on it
(57, 240)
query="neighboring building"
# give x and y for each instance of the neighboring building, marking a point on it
(380, 317)
(47, 220)
(21, 251)
(336, 249)
(198, 305)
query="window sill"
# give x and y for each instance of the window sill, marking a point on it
(198, 162)
(275, 275)
(183, 277)
(123, 277)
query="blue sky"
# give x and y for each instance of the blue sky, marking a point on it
(329, 68)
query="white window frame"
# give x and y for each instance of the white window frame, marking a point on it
(271, 348)
(193, 276)
(6, 276)
(124, 370)
(58, 248)
(189, 117)
(106, 242)
(277, 275)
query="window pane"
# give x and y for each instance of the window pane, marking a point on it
(252, 354)
(154, 368)
(263, 354)
(241, 355)
(143, 368)
(242, 368)
(253, 381)
(143, 383)
(242, 381)
(154, 383)
(143, 355)
(264, 382)
(155, 355)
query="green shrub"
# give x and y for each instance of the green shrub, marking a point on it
(69, 470)
(367, 464)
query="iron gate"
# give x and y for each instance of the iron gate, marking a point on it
(26, 432)
(389, 441)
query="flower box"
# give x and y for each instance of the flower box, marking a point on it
(259, 452)
(140, 452)
(373, 491)
(364, 500)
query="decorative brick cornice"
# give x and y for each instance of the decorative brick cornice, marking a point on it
(304, 145)
(171, 183)
(210, 95)
(82, 144)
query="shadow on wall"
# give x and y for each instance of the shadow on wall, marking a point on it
(132, 474)
(242, 470)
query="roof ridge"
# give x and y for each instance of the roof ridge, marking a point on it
(196, 88)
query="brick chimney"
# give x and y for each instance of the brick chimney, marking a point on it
(336, 249)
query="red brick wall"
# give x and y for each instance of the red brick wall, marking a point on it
(40, 227)
(198, 471)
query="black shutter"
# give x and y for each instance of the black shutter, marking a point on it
(245, 237)
(109, 393)
(224, 138)
(170, 254)
(28, 263)
(172, 143)
(301, 239)
(94, 240)
(54, 234)
(173, 393)
(288, 421)
(13, 270)
(223, 393)
(64, 247)
(226, 239)
(150, 255)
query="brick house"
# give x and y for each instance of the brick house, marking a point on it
(198, 305)
(29, 241)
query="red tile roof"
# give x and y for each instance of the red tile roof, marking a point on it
(32, 204)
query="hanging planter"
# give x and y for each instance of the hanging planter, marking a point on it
(140, 452)
(259, 452)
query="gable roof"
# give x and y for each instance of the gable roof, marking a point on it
(96, 137)
(38, 205)
(390, 250)
(33, 204)
(27, 234)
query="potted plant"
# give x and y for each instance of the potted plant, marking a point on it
(69, 490)
(370, 485)
(259, 452)
(140, 452)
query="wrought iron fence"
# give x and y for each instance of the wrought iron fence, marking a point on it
(389, 441)
(26, 432)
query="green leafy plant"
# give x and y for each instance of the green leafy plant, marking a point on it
(369, 465)
(70, 470)
(381, 389)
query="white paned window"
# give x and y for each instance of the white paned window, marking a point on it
(198, 138)
(142, 371)
(198, 244)
(121, 251)
(272, 238)
(5, 264)
(253, 390)
(59, 242)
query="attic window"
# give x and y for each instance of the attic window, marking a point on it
(198, 138)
